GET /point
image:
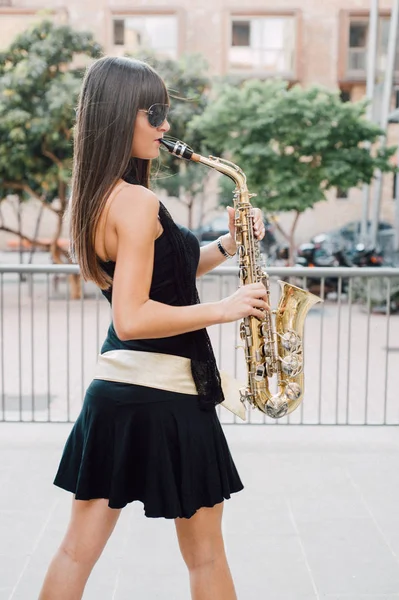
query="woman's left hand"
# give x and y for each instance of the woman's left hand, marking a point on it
(259, 227)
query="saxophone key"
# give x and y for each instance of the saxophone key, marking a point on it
(293, 391)
(291, 365)
(290, 340)
(259, 354)
(260, 371)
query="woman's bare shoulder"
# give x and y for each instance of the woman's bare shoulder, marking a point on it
(134, 207)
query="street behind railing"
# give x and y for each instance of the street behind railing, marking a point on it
(49, 343)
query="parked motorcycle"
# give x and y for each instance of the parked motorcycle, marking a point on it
(363, 256)
(315, 254)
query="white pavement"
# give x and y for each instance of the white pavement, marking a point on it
(318, 518)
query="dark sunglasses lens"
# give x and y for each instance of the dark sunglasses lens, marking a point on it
(157, 114)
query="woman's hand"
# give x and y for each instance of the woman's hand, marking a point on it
(248, 300)
(259, 227)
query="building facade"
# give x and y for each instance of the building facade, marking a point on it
(304, 41)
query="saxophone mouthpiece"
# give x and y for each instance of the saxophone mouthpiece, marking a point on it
(177, 148)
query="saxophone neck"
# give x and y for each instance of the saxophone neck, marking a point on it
(182, 150)
(227, 168)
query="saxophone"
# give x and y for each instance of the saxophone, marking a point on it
(269, 352)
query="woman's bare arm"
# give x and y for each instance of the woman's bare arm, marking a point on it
(134, 215)
(211, 257)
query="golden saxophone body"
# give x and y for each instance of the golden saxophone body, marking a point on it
(272, 351)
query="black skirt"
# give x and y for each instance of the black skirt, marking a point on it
(137, 443)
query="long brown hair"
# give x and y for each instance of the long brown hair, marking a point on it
(113, 90)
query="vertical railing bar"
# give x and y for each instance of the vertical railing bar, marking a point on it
(201, 288)
(236, 349)
(3, 371)
(31, 279)
(348, 371)
(304, 283)
(220, 296)
(48, 349)
(19, 348)
(367, 349)
(387, 340)
(82, 340)
(321, 348)
(68, 353)
(338, 349)
(97, 320)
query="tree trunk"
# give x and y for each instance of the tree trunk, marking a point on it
(291, 258)
(74, 281)
(190, 207)
(285, 235)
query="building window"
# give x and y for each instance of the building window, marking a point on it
(345, 95)
(119, 32)
(356, 62)
(264, 43)
(150, 32)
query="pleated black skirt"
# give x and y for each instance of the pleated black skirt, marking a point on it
(137, 443)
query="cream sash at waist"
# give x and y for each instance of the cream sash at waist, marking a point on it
(163, 372)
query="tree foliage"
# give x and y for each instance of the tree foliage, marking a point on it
(38, 92)
(293, 144)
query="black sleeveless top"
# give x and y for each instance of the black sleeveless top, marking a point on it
(163, 289)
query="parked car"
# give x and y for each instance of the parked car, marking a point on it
(219, 226)
(347, 237)
(351, 231)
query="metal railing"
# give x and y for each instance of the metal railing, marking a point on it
(49, 343)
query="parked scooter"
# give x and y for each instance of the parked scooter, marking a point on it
(313, 254)
(366, 257)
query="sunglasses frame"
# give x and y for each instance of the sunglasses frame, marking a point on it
(149, 113)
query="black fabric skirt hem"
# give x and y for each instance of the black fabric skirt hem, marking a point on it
(147, 513)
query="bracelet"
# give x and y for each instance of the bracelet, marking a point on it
(223, 249)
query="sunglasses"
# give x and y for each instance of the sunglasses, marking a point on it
(156, 114)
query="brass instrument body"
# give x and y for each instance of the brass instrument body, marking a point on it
(270, 351)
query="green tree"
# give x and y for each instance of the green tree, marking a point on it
(187, 82)
(38, 92)
(293, 144)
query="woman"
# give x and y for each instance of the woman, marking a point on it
(148, 428)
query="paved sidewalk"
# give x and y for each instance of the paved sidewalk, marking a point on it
(318, 518)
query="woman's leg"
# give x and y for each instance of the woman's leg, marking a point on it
(91, 524)
(201, 544)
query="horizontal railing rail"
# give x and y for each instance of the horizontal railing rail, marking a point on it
(350, 272)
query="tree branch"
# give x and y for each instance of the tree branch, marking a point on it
(52, 157)
(23, 187)
(25, 237)
(281, 230)
(34, 242)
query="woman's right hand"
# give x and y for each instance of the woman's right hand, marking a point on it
(248, 300)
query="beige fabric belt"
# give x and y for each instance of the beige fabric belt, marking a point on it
(163, 372)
